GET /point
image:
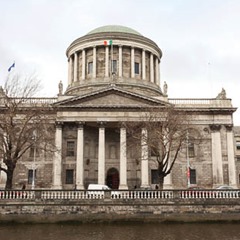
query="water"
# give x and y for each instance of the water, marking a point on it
(131, 231)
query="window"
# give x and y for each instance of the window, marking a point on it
(30, 175)
(193, 177)
(69, 176)
(114, 66)
(70, 148)
(31, 153)
(90, 67)
(238, 145)
(238, 158)
(191, 152)
(154, 176)
(136, 67)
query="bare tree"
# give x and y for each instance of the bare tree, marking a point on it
(165, 132)
(21, 117)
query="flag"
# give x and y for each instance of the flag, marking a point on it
(107, 42)
(12, 66)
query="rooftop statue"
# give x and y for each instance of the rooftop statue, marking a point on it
(222, 94)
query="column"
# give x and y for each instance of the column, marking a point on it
(231, 157)
(83, 64)
(106, 61)
(79, 163)
(151, 69)
(101, 154)
(123, 159)
(156, 72)
(57, 160)
(143, 65)
(94, 62)
(217, 167)
(75, 69)
(168, 182)
(120, 61)
(144, 160)
(132, 63)
(70, 70)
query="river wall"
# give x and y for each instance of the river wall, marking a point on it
(114, 210)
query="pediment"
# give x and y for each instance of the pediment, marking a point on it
(110, 98)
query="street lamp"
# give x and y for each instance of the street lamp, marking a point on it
(34, 158)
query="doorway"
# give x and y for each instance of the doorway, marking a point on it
(113, 178)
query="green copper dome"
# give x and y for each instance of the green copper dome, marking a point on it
(115, 28)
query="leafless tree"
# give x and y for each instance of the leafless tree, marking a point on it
(162, 132)
(24, 122)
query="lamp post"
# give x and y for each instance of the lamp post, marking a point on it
(34, 158)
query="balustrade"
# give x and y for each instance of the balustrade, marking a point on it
(19, 195)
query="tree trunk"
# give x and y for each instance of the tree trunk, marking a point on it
(161, 180)
(8, 185)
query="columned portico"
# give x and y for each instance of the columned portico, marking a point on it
(57, 160)
(217, 165)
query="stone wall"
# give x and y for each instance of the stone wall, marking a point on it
(108, 210)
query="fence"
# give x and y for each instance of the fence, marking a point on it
(117, 194)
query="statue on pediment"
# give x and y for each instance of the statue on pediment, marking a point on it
(165, 88)
(222, 94)
(60, 88)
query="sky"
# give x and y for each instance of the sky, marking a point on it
(200, 40)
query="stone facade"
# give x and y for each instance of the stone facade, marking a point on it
(107, 86)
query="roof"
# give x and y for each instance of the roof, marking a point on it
(114, 28)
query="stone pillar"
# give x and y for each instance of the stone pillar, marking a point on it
(144, 160)
(83, 64)
(79, 163)
(57, 160)
(123, 159)
(143, 65)
(75, 69)
(168, 182)
(231, 159)
(70, 70)
(120, 70)
(156, 72)
(151, 69)
(94, 62)
(132, 63)
(217, 166)
(101, 154)
(106, 61)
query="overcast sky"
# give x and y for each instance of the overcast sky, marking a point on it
(200, 40)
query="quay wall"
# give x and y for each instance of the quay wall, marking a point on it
(114, 210)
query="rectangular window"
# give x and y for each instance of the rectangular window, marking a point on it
(154, 176)
(30, 175)
(90, 67)
(69, 176)
(70, 148)
(114, 66)
(137, 68)
(191, 152)
(238, 158)
(238, 145)
(31, 153)
(193, 176)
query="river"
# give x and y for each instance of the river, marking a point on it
(121, 231)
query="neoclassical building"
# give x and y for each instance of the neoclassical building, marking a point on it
(114, 73)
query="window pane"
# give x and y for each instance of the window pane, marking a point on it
(69, 176)
(114, 66)
(136, 68)
(70, 148)
(238, 145)
(90, 67)
(191, 152)
(193, 179)
(30, 175)
(154, 176)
